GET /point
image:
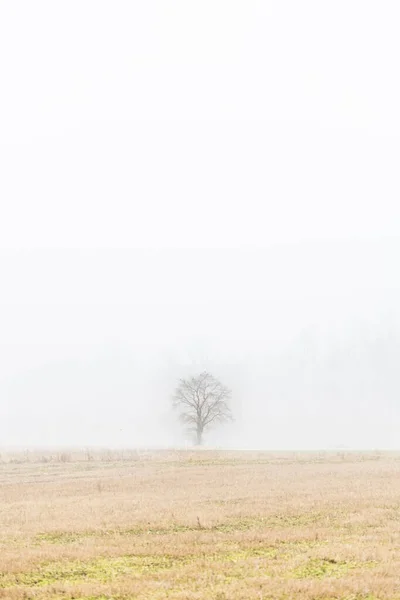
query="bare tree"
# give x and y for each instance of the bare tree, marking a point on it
(203, 402)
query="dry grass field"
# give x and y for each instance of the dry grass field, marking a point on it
(200, 525)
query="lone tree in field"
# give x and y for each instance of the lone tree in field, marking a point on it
(202, 402)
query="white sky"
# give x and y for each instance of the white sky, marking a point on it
(187, 179)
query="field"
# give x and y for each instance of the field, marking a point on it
(200, 525)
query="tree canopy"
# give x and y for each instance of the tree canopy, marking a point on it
(203, 402)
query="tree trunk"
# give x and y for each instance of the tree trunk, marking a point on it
(199, 436)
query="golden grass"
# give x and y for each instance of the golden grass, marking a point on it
(200, 525)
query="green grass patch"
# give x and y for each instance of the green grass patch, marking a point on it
(101, 570)
(319, 568)
(105, 570)
(246, 554)
(231, 526)
(71, 537)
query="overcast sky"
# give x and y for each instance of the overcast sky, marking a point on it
(194, 184)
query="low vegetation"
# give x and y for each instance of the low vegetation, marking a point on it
(200, 525)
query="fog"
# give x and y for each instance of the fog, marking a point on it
(189, 186)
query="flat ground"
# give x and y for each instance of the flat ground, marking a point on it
(200, 525)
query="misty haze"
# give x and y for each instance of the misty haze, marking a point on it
(306, 335)
(200, 300)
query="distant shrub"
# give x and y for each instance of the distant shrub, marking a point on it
(65, 457)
